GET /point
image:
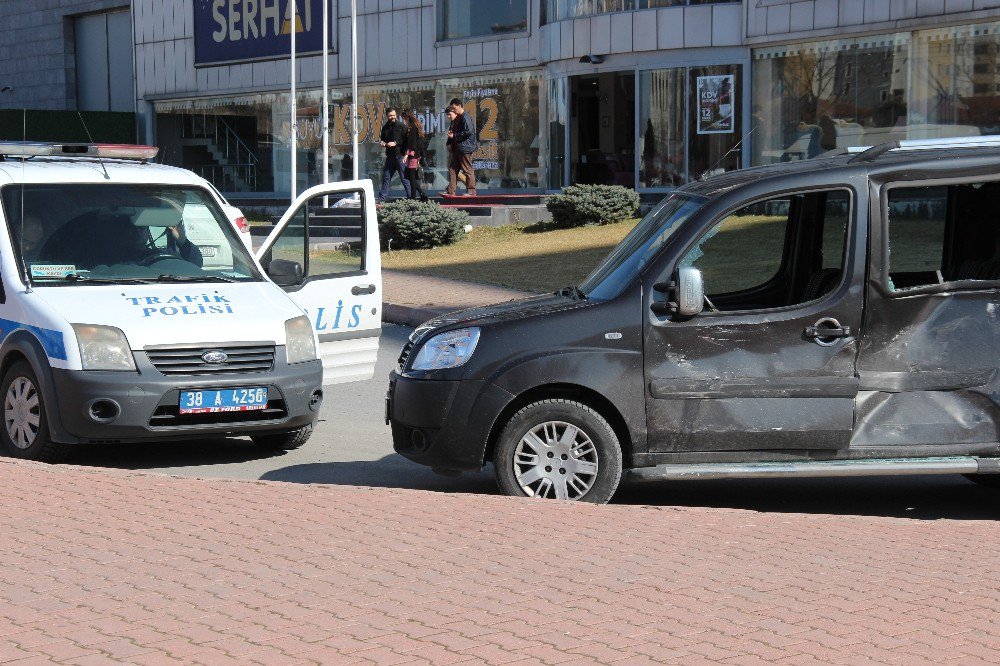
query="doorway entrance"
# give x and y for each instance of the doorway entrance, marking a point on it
(602, 135)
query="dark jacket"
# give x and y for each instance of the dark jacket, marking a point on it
(465, 134)
(393, 131)
(413, 142)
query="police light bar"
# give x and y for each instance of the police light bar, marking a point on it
(121, 151)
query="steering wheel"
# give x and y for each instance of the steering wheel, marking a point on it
(153, 258)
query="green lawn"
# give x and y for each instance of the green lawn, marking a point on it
(516, 257)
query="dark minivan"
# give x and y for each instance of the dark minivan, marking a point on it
(828, 317)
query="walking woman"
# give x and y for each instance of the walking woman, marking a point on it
(413, 147)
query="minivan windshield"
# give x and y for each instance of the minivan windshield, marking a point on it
(641, 244)
(122, 233)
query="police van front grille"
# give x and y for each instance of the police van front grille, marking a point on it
(189, 361)
(168, 416)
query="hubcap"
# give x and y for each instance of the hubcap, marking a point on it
(556, 460)
(21, 412)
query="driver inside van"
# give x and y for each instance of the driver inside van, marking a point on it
(178, 243)
(95, 239)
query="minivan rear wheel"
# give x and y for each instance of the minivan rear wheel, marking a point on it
(558, 449)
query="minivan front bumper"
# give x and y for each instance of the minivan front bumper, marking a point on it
(147, 403)
(443, 424)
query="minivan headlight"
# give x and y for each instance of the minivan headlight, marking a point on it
(103, 348)
(300, 344)
(447, 350)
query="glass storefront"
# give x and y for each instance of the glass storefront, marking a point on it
(241, 144)
(814, 97)
(557, 123)
(689, 123)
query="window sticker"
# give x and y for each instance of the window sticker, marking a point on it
(53, 271)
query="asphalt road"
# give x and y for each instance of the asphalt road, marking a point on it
(352, 446)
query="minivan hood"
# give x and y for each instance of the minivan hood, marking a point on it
(500, 312)
(166, 314)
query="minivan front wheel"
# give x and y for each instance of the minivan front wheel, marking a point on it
(558, 449)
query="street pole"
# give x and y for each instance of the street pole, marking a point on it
(293, 10)
(326, 91)
(354, 88)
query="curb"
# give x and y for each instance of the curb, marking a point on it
(408, 315)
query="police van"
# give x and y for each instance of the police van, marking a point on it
(131, 311)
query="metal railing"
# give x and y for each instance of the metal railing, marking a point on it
(236, 159)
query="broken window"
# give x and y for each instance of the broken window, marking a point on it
(940, 234)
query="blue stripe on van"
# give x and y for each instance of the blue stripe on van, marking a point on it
(52, 341)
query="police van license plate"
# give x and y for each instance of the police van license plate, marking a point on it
(225, 400)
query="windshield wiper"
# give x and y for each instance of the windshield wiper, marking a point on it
(573, 292)
(166, 277)
(73, 277)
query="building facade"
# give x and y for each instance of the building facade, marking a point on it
(67, 55)
(644, 93)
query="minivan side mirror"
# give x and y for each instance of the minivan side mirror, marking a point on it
(686, 296)
(285, 273)
(689, 292)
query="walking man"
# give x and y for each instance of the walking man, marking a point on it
(391, 138)
(464, 143)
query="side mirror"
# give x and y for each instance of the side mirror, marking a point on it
(686, 296)
(690, 292)
(285, 273)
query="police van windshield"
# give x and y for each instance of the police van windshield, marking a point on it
(641, 244)
(90, 233)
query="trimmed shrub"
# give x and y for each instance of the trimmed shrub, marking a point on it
(413, 225)
(581, 205)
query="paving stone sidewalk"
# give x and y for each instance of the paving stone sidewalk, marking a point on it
(110, 566)
(411, 299)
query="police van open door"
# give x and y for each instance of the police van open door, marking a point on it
(325, 253)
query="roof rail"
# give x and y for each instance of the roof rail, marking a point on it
(870, 153)
(121, 151)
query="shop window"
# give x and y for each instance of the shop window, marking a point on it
(691, 123)
(942, 234)
(241, 143)
(460, 19)
(714, 123)
(774, 253)
(818, 96)
(663, 98)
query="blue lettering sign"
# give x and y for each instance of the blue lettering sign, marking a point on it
(227, 31)
(189, 304)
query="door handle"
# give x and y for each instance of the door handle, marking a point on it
(826, 331)
(360, 289)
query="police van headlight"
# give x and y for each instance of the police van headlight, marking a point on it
(103, 348)
(447, 350)
(300, 344)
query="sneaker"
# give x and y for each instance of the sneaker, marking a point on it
(423, 199)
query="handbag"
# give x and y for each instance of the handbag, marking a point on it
(412, 161)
